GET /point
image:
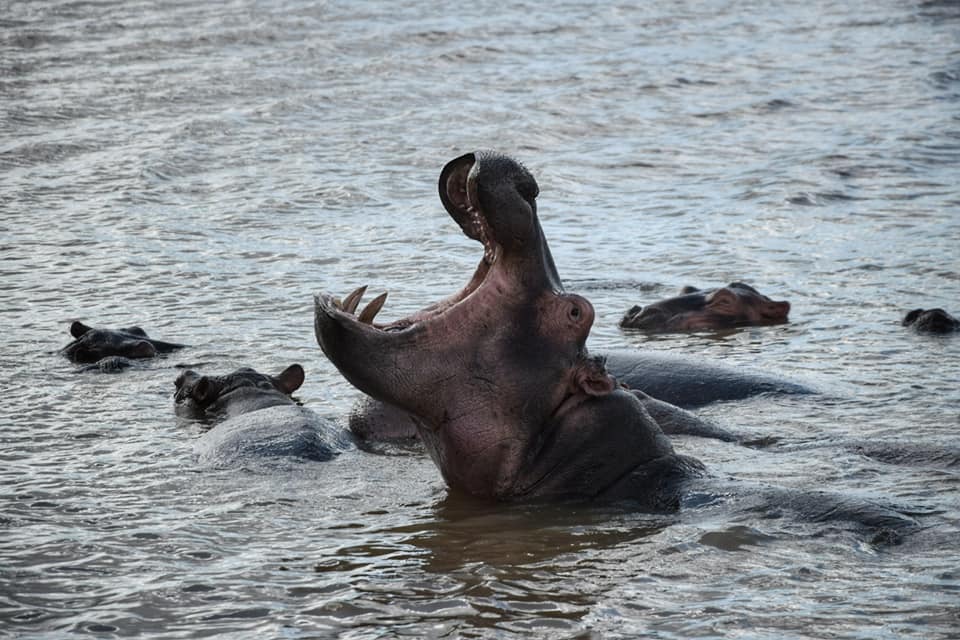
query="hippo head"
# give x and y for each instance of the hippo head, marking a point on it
(734, 305)
(484, 371)
(92, 345)
(198, 396)
(931, 321)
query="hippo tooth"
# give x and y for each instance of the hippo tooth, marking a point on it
(371, 310)
(351, 301)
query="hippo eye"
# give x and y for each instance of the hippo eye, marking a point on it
(575, 312)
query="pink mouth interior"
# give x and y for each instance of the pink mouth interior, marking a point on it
(462, 193)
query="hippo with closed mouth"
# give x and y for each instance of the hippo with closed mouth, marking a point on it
(113, 349)
(255, 418)
(931, 321)
(735, 305)
(506, 398)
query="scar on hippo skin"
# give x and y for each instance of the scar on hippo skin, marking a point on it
(735, 305)
(931, 321)
(254, 418)
(112, 350)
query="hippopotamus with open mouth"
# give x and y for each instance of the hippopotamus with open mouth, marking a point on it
(113, 349)
(735, 305)
(507, 400)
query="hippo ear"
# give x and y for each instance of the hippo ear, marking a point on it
(723, 295)
(594, 380)
(742, 285)
(77, 329)
(911, 317)
(183, 377)
(688, 289)
(142, 349)
(290, 378)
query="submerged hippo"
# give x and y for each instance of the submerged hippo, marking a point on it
(507, 400)
(113, 349)
(931, 321)
(735, 305)
(255, 418)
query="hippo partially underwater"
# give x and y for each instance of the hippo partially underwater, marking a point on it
(112, 349)
(506, 398)
(735, 305)
(931, 321)
(255, 419)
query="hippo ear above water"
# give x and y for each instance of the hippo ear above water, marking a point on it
(688, 289)
(77, 329)
(592, 378)
(291, 378)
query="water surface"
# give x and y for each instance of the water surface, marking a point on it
(201, 169)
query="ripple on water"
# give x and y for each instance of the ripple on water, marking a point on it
(202, 173)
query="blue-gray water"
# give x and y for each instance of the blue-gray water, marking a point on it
(201, 169)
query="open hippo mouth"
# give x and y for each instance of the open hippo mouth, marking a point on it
(483, 371)
(497, 378)
(493, 200)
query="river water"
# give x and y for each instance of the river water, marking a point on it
(202, 169)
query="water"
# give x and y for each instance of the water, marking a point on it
(201, 169)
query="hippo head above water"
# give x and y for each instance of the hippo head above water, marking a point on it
(91, 345)
(735, 305)
(931, 321)
(215, 397)
(506, 398)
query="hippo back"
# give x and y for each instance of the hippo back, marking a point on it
(271, 434)
(690, 382)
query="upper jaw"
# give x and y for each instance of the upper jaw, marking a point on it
(460, 197)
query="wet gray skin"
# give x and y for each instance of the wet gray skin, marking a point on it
(505, 397)
(735, 305)
(92, 345)
(931, 321)
(255, 419)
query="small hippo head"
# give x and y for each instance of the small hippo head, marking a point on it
(200, 396)
(734, 305)
(931, 321)
(91, 345)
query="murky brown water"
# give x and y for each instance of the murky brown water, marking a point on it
(201, 169)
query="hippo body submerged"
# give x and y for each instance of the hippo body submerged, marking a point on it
(931, 321)
(690, 382)
(503, 392)
(735, 305)
(255, 419)
(111, 350)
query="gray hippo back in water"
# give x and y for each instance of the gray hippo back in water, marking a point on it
(690, 382)
(111, 350)
(931, 321)
(505, 397)
(735, 305)
(255, 419)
